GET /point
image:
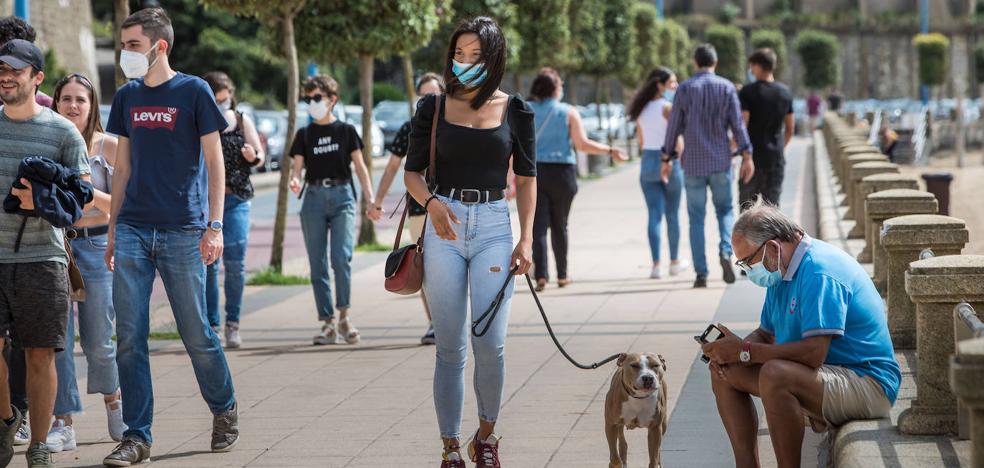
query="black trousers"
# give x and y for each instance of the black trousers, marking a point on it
(16, 375)
(556, 185)
(767, 182)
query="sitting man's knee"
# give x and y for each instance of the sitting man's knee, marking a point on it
(774, 375)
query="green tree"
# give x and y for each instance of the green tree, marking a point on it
(544, 27)
(367, 30)
(588, 49)
(279, 14)
(729, 41)
(618, 35)
(979, 69)
(675, 48)
(818, 51)
(646, 33)
(932, 49)
(772, 39)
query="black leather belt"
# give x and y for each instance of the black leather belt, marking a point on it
(329, 182)
(472, 196)
(77, 233)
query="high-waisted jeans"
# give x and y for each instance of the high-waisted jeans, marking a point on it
(662, 199)
(469, 269)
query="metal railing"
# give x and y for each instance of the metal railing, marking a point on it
(966, 326)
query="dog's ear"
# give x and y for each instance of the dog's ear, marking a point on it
(621, 359)
(662, 361)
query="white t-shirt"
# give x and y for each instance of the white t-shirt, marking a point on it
(653, 124)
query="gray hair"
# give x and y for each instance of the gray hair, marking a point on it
(762, 222)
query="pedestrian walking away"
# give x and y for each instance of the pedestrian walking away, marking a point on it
(323, 154)
(813, 104)
(166, 218)
(35, 302)
(241, 151)
(76, 100)
(705, 110)
(559, 133)
(767, 110)
(650, 109)
(469, 249)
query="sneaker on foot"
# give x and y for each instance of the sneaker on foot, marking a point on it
(729, 271)
(225, 430)
(655, 273)
(485, 453)
(679, 267)
(452, 460)
(39, 456)
(129, 452)
(114, 419)
(23, 435)
(700, 282)
(328, 335)
(232, 339)
(428, 338)
(7, 432)
(61, 437)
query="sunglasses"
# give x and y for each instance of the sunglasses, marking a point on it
(85, 81)
(743, 263)
(315, 98)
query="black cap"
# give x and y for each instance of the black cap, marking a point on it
(20, 54)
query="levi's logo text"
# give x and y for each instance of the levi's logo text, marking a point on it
(325, 146)
(154, 117)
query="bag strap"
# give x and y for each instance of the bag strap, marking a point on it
(431, 179)
(542, 126)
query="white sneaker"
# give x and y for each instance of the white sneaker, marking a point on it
(232, 338)
(114, 418)
(328, 335)
(23, 435)
(680, 267)
(656, 273)
(61, 437)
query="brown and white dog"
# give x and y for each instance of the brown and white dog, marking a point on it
(636, 398)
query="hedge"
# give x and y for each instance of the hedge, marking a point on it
(729, 41)
(818, 51)
(775, 40)
(932, 50)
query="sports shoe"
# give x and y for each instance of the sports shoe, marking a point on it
(655, 273)
(428, 338)
(485, 453)
(729, 271)
(39, 456)
(328, 335)
(452, 460)
(679, 267)
(232, 338)
(23, 435)
(700, 282)
(60, 437)
(129, 452)
(114, 419)
(225, 430)
(348, 332)
(7, 433)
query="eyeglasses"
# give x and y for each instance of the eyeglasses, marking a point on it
(315, 98)
(743, 263)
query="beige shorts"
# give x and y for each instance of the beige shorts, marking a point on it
(416, 224)
(848, 396)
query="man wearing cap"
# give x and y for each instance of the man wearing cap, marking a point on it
(34, 289)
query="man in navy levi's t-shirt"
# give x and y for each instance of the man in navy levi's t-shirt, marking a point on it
(169, 176)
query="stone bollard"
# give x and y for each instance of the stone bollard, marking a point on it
(849, 163)
(869, 185)
(896, 205)
(936, 285)
(855, 208)
(847, 152)
(967, 383)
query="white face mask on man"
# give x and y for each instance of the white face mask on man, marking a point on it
(135, 64)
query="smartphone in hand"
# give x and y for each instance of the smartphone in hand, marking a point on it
(703, 339)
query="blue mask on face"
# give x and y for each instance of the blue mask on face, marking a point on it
(470, 75)
(749, 76)
(668, 95)
(761, 276)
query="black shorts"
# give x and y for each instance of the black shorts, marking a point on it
(34, 303)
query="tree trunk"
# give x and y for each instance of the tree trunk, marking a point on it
(570, 89)
(120, 11)
(367, 232)
(598, 99)
(409, 80)
(280, 221)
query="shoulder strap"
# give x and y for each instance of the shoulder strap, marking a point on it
(550, 116)
(432, 168)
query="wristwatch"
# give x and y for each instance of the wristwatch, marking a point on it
(745, 355)
(215, 225)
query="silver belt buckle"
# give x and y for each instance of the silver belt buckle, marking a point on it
(478, 196)
(326, 183)
(71, 233)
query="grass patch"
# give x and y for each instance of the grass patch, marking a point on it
(374, 247)
(154, 336)
(270, 277)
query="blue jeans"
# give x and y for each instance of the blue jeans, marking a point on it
(469, 269)
(96, 315)
(661, 199)
(174, 254)
(235, 236)
(328, 215)
(720, 184)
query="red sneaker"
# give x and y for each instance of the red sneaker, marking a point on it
(452, 460)
(485, 453)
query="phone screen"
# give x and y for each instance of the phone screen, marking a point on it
(703, 338)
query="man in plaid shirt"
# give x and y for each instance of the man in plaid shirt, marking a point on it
(707, 113)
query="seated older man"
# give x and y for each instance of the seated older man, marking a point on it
(822, 348)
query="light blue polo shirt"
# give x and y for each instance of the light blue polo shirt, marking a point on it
(826, 292)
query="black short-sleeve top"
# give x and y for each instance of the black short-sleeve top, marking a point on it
(474, 158)
(327, 150)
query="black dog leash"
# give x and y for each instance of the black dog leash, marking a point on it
(489, 315)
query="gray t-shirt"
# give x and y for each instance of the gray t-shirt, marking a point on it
(47, 135)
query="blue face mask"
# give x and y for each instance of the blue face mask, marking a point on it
(470, 75)
(560, 97)
(668, 95)
(749, 76)
(761, 276)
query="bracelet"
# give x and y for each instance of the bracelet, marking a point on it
(429, 200)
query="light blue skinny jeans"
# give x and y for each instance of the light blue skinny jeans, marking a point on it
(469, 269)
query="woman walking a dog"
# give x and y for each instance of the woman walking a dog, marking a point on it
(468, 244)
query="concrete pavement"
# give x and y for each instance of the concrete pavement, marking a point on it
(370, 405)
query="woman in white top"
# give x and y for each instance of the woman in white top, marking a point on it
(650, 109)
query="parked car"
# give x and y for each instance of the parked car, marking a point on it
(353, 115)
(611, 125)
(391, 115)
(272, 126)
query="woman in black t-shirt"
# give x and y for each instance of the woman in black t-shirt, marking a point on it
(325, 151)
(468, 244)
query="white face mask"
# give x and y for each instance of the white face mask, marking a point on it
(225, 105)
(135, 64)
(318, 110)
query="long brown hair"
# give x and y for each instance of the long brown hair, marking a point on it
(93, 123)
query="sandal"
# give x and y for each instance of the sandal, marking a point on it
(541, 284)
(348, 331)
(328, 335)
(564, 282)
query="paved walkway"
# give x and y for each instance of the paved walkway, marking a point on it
(370, 405)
